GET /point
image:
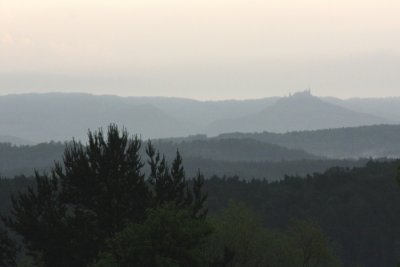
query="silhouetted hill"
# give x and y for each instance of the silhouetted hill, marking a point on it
(302, 111)
(232, 150)
(43, 117)
(204, 112)
(61, 116)
(244, 157)
(355, 142)
(16, 160)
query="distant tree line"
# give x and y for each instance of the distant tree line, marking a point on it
(246, 158)
(376, 141)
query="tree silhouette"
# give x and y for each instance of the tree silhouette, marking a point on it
(95, 192)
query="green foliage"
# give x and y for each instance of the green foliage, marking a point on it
(170, 185)
(358, 209)
(95, 193)
(169, 237)
(240, 234)
(41, 221)
(308, 246)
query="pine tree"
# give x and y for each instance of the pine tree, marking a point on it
(95, 192)
(172, 185)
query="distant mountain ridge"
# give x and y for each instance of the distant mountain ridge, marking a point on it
(62, 116)
(388, 107)
(301, 111)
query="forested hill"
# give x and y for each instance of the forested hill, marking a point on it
(301, 111)
(354, 142)
(247, 158)
(233, 150)
(16, 160)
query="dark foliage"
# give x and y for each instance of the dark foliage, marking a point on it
(359, 209)
(95, 193)
(246, 158)
(169, 236)
(8, 250)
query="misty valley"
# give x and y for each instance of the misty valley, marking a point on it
(130, 181)
(201, 133)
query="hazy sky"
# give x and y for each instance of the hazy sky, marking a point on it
(205, 49)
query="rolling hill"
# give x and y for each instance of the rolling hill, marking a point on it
(212, 157)
(366, 141)
(60, 117)
(302, 111)
(233, 150)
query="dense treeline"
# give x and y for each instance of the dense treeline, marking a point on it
(352, 142)
(271, 171)
(358, 209)
(246, 158)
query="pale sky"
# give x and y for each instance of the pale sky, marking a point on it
(202, 49)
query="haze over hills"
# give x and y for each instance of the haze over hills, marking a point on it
(375, 141)
(388, 108)
(260, 155)
(302, 111)
(62, 116)
(245, 157)
(59, 117)
(204, 112)
(233, 150)
(15, 140)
